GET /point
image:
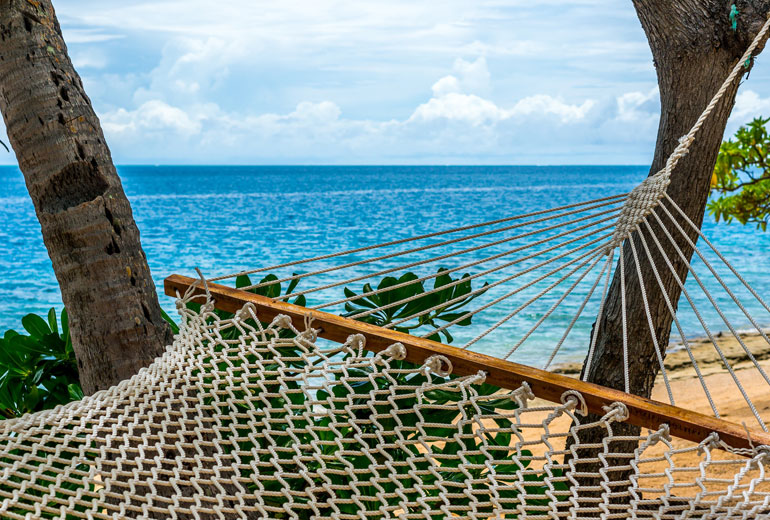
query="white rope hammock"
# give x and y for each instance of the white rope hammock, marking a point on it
(284, 409)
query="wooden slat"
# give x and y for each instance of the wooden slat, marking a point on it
(643, 412)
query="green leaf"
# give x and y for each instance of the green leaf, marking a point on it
(741, 177)
(270, 290)
(35, 325)
(75, 392)
(52, 321)
(171, 323)
(292, 284)
(242, 280)
(65, 323)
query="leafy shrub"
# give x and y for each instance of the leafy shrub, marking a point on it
(421, 301)
(741, 181)
(37, 371)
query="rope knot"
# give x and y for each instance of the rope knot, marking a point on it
(639, 203)
(686, 141)
(576, 399)
(438, 365)
(245, 312)
(711, 442)
(664, 432)
(309, 330)
(480, 378)
(357, 341)
(282, 321)
(396, 351)
(525, 391)
(616, 412)
(761, 454)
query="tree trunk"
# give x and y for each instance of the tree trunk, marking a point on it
(694, 48)
(86, 220)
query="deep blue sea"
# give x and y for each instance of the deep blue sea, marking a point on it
(227, 218)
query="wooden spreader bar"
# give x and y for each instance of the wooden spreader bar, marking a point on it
(683, 423)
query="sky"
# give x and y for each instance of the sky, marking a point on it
(373, 81)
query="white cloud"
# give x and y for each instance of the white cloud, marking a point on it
(455, 97)
(748, 105)
(455, 106)
(474, 75)
(152, 116)
(542, 104)
(372, 81)
(90, 35)
(453, 125)
(190, 70)
(633, 106)
(89, 59)
(446, 85)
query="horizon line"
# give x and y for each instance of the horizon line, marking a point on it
(345, 165)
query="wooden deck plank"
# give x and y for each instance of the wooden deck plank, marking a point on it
(643, 412)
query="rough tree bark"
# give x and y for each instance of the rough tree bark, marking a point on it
(91, 236)
(86, 220)
(693, 48)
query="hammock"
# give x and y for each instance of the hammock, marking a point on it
(267, 405)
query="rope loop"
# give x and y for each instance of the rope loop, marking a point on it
(204, 283)
(245, 312)
(525, 391)
(480, 378)
(663, 433)
(761, 454)
(575, 399)
(438, 365)
(282, 321)
(711, 442)
(395, 351)
(617, 411)
(357, 341)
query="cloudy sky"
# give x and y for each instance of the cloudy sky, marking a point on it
(372, 81)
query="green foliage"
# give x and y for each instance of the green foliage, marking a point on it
(38, 370)
(459, 294)
(741, 181)
(271, 288)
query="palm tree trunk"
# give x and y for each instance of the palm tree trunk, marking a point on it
(85, 217)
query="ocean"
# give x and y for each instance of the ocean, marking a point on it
(223, 219)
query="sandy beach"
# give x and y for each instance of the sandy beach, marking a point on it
(687, 389)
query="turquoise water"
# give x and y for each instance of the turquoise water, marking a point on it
(225, 218)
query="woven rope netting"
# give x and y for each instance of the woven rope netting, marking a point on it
(253, 415)
(240, 420)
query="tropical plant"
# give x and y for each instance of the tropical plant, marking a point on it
(741, 181)
(37, 370)
(443, 303)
